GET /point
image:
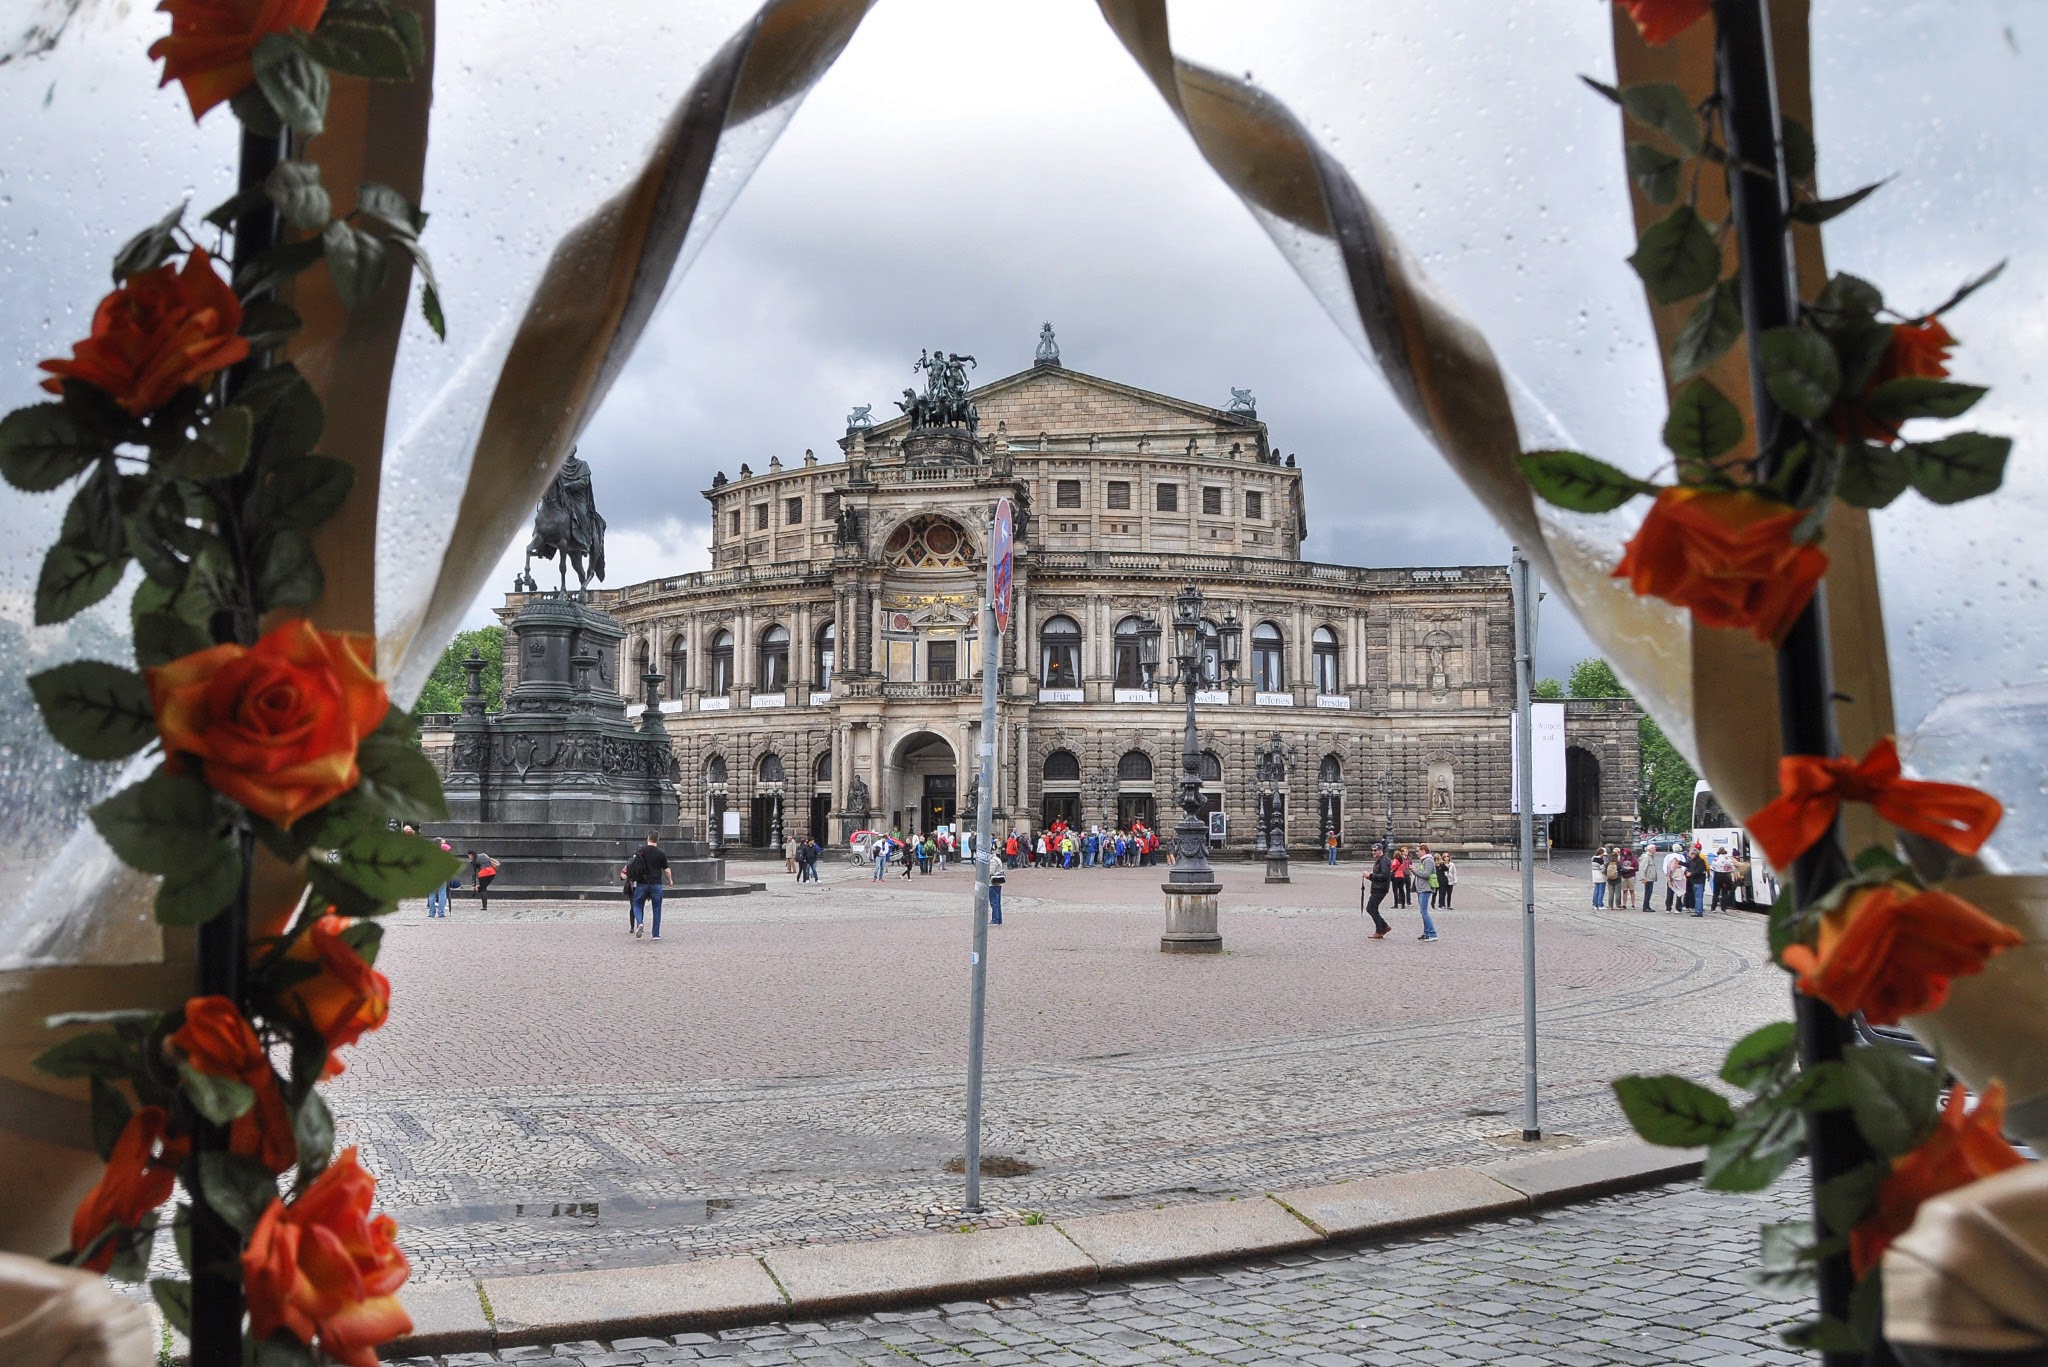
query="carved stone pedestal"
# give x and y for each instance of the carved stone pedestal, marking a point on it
(1277, 868)
(1191, 919)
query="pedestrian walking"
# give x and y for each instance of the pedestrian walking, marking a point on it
(1330, 847)
(1600, 876)
(482, 869)
(1723, 867)
(1674, 879)
(1648, 868)
(1696, 874)
(1625, 869)
(995, 892)
(1425, 887)
(1446, 880)
(1379, 877)
(879, 848)
(649, 873)
(1400, 875)
(437, 900)
(789, 854)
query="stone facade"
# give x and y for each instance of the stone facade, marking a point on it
(824, 674)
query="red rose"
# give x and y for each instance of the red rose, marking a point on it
(211, 47)
(1890, 951)
(1728, 556)
(346, 998)
(1917, 351)
(217, 1041)
(1965, 1146)
(1659, 21)
(158, 332)
(138, 1179)
(321, 1267)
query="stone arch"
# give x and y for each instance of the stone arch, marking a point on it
(1577, 827)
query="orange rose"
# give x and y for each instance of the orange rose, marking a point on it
(212, 43)
(1659, 21)
(158, 332)
(1890, 951)
(274, 725)
(138, 1179)
(1916, 351)
(322, 1267)
(346, 998)
(1964, 1147)
(217, 1041)
(1728, 556)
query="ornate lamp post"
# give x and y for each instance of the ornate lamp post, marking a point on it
(1191, 887)
(1272, 773)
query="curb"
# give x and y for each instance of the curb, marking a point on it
(816, 1280)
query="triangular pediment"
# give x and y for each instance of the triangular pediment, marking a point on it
(1061, 402)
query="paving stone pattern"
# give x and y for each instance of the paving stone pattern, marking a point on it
(1647, 1277)
(552, 1094)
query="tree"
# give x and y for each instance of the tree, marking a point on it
(446, 685)
(1547, 690)
(1666, 780)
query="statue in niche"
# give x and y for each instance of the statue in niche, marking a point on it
(1440, 788)
(568, 527)
(848, 525)
(857, 795)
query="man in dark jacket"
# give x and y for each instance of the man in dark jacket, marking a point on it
(1381, 877)
(1695, 880)
(648, 872)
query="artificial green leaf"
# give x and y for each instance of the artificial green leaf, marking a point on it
(430, 309)
(1823, 1336)
(1871, 476)
(267, 322)
(293, 83)
(1892, 1096)
(131, 1250)
(301, 492)
(94, 1055)
(1918, 397)
(357, 262)
(110, 1113)
(1861, 345)
(385, 864)
(294, 188)
(164, 824)
(282, 1350)
(1576, 481)
(1800, 370)
(1799, 151)
(1759, 1056)
(331, 889)
(1674, 1111)
(1968, 288)
(1665, 108)
(1765, 1141)
(1703, 423)
(95, 709)
(366, 938)
(1677, 257)
(1823, 1086)
(219, 1099)
(98, 510)
(224, 214)
(1655, 173)
(1962, 466)
(398, 776)
(288, 415)
(195, 896)
(1786, 1245)
(45, 444)
(1846, 296)
(174, 1298)
(269, 269)
(73, 578)
(356, 47)
(1821, 210)
(390, 208)
(1846, 1198)
(288, 575)
(149, 248)
(220, 449)
(1879, 860)
(238, 1189)
(1866, 1310)
(252, 109)
(313, 1128)
(1710, 329)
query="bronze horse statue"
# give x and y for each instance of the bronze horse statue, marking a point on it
(568, 528)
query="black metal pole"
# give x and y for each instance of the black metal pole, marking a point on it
(1760, 201)
(223, 942)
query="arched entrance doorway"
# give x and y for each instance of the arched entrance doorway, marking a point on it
(925, 780)
(1577, 827)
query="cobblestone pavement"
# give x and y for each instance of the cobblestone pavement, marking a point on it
(1648, 1277)
(788, 1067)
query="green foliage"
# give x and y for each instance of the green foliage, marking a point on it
(1677, 257)
(1666, 780)
(1594, 678)
(444, 687)
(1579, 482)
(1547, 690)
(1703, 424)
(95, 709)
(1674, 1111)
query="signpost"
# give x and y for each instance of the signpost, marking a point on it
(995, 620)
(1526, 804)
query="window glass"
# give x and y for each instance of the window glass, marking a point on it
(1119, 493)
(1327, 680)
(760, 517)
(1062, 767)
(1266, 651)
(1169, 498)
(942, 661)
(678, 668)
(773, 671)
(1254, 505)
(1130, 669)
(826, 655)
(771, 768)
(721, 660)
(1134, 767)
(732, 522)
(1212, 500)
(792, 511)
(1067, 494)
(1059, 654)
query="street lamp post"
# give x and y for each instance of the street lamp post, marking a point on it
(1191, 886)
(1273, 774)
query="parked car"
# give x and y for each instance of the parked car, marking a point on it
(1662, 844)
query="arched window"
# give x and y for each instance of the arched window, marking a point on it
(1327, 680)
(1212, 767)
(678, 666)
(1130, 668)
(714, 770)
(643, 660)
(721, 663)
(1134, 767)
(770, 768)
(822, 770)
(824, 655)
(1059, 653)
(771, 671)
(1061, 766)
(1212, 656)
(1332, 770)
(1267, 676)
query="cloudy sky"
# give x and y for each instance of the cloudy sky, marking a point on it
(968, 171)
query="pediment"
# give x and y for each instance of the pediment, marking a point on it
(1063, 402)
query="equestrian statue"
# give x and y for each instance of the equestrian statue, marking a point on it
(567, 527)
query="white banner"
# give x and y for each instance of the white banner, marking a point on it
(1546, 732)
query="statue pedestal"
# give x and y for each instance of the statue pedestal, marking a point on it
(1191, 919)
(1277, 869)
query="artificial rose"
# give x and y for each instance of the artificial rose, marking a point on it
(1728, 556)
(321, 1267)
(346, 998)
(138, 1179)
(217, 1041)
(211, 47)
(1917, 351)
(1890, 951)
(1811, 790)
(1659, 21)
(1965, 1146)
(274, 725)
(158, 332)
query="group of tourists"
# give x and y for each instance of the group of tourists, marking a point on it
(1059, 846)
(1420, 877)
(800, 857)
(1693, 880)
(927, 853)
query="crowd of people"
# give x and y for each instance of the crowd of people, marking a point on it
(1694, 881)
(1415, 878)
(1059, 846)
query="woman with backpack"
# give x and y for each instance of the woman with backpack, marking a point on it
(1625, 870)
(1600, 877)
